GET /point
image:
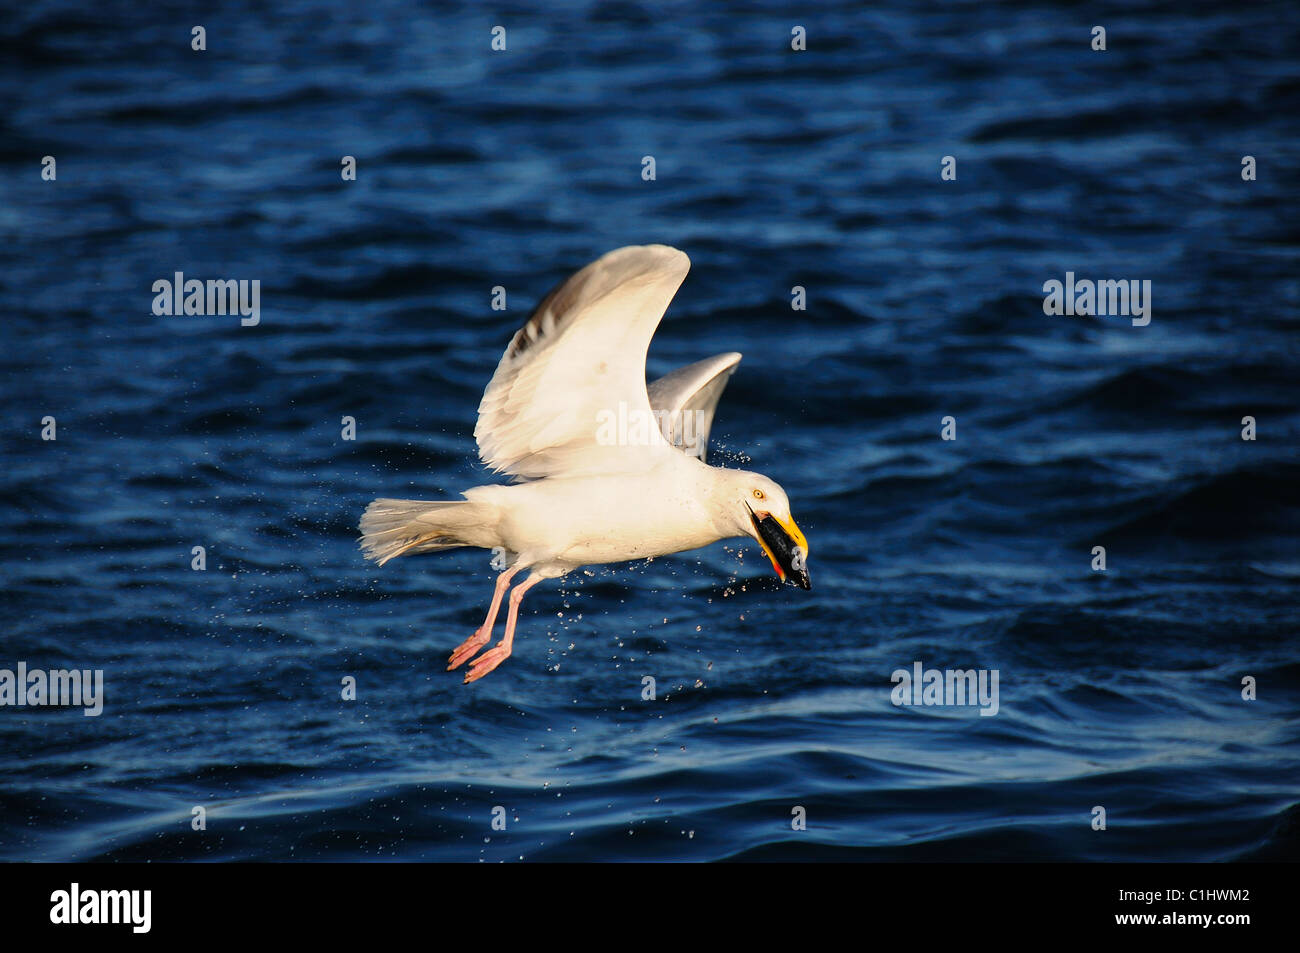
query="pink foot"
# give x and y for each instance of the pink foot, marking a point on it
(468, 648)
(486, 662)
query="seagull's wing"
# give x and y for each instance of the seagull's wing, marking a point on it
(689, 396)
(578, 359)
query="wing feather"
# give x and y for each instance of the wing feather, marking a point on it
(689, 397)
(580, 354)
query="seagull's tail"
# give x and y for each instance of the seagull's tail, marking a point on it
(392, 528)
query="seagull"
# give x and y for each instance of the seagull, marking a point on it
(604, 468)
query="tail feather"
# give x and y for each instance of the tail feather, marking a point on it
(392, 528)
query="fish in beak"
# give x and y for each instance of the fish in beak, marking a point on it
(785, 546)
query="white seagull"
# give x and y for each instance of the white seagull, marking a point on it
(606, 469)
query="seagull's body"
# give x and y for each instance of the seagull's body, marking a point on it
(587, 491)
(566, 523)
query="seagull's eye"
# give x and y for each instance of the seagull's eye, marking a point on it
(758, 494)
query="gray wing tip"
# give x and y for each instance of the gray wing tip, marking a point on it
(702, 380)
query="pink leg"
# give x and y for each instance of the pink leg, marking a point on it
(501, 651)
(484, 631)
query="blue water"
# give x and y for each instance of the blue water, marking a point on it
(774, 168)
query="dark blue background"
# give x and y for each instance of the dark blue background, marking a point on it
(775, 168)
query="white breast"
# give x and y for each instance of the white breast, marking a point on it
(611, 518)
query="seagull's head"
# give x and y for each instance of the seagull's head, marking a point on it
(761, 509)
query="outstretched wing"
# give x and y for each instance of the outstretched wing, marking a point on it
(579, 359)
(689, 397)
